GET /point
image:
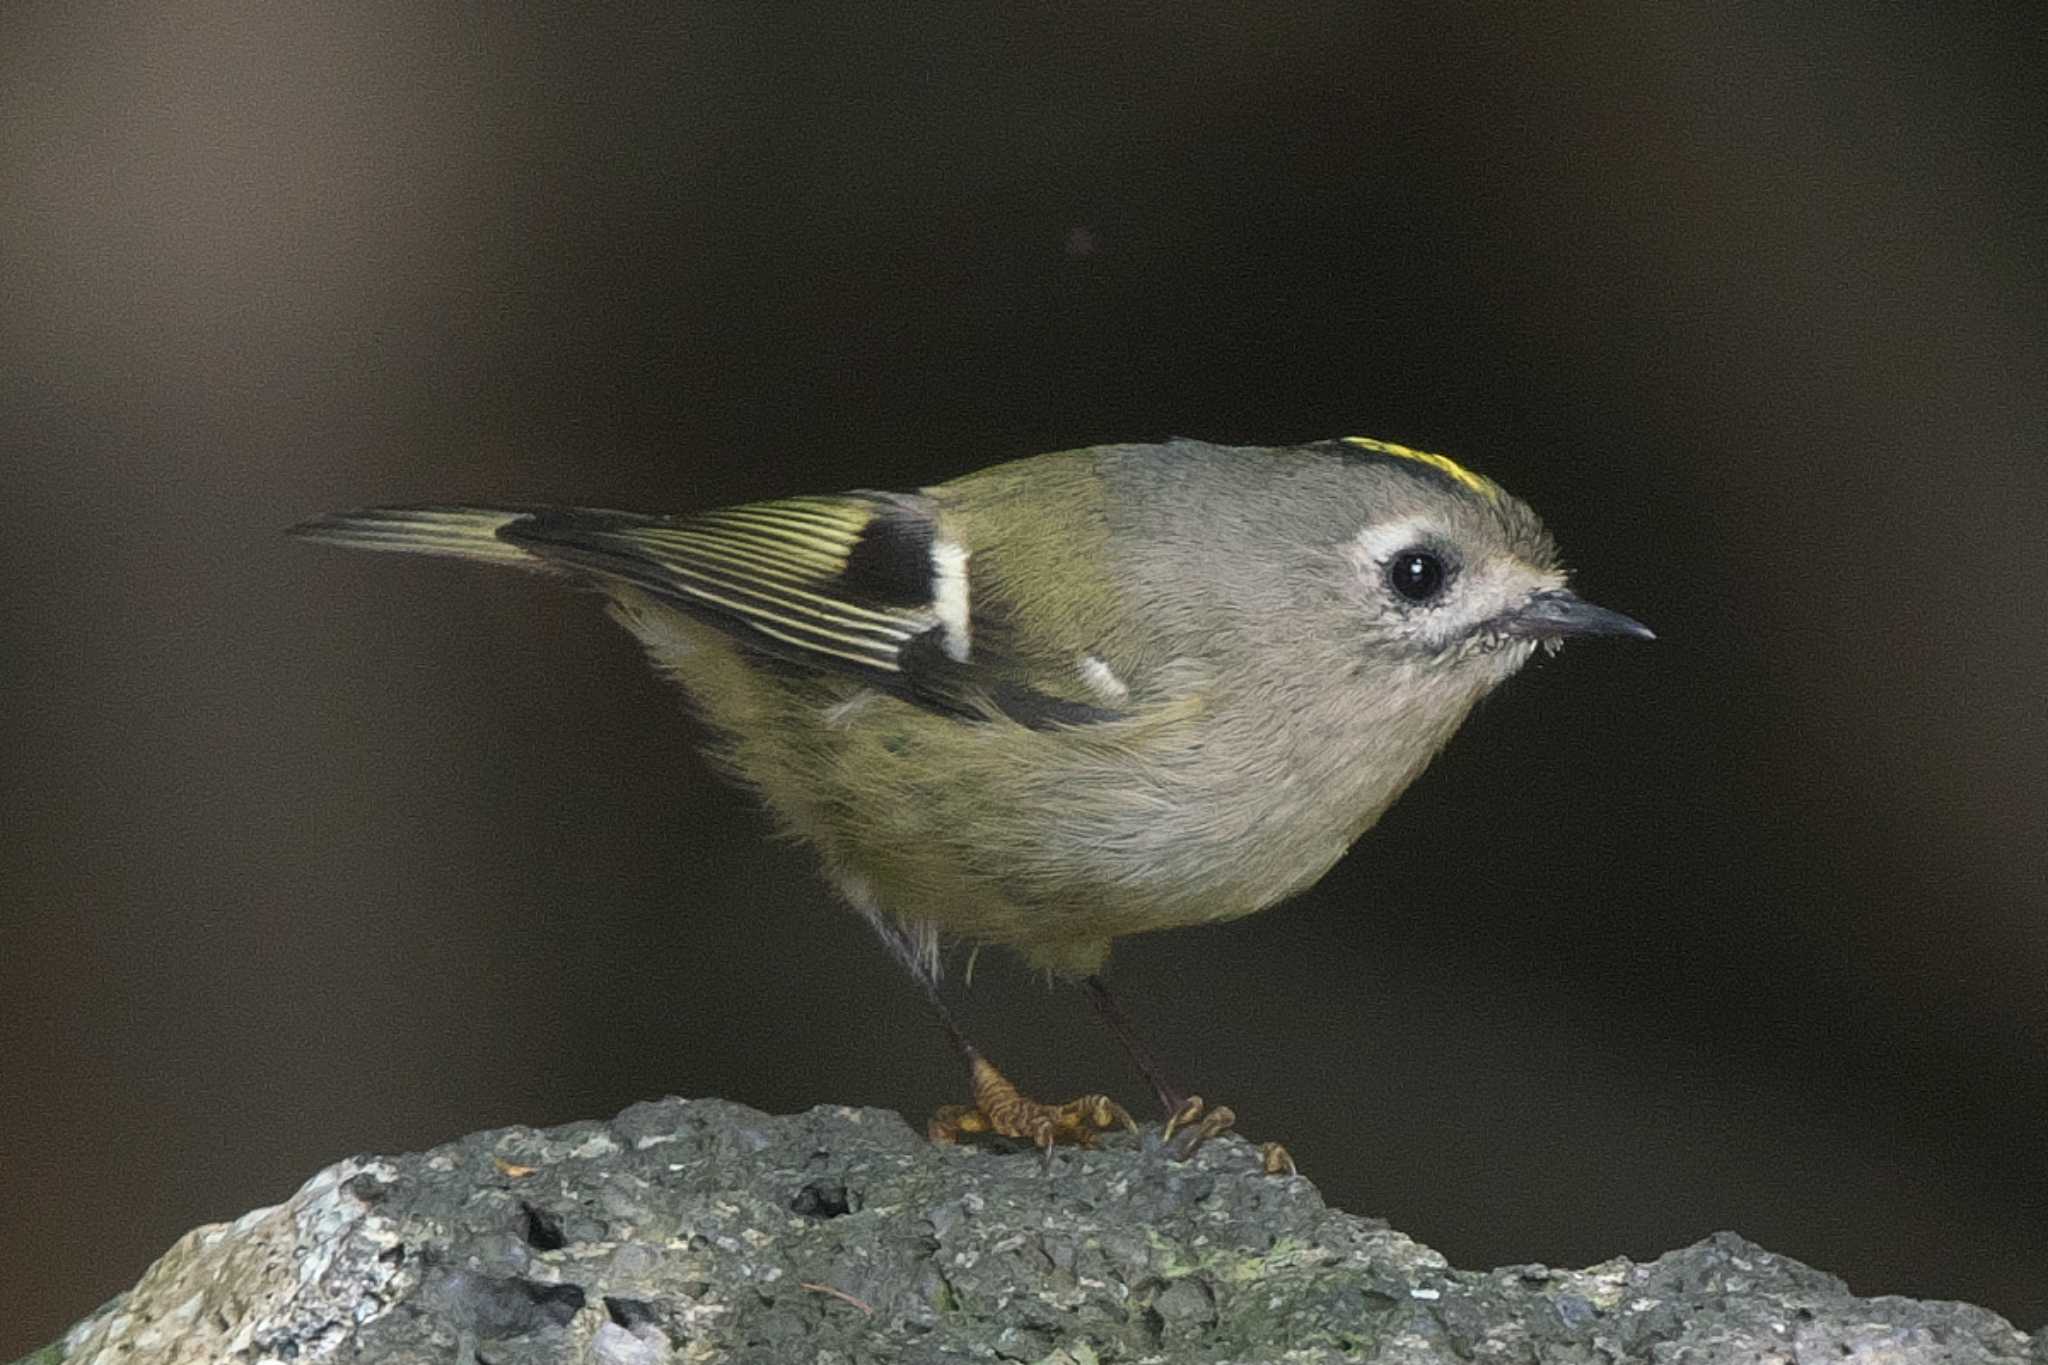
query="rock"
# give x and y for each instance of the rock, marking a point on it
(704, 1231)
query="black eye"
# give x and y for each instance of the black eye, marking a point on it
(1417, 575)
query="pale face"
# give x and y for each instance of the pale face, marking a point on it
(1423, 587)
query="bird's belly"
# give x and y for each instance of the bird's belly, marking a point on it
(991, 832)
(1092, 851)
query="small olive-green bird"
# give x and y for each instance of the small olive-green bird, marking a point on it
(1073, 697)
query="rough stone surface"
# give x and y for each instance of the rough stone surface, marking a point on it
(686, 1231)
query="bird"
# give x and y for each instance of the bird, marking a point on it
(1068, 698)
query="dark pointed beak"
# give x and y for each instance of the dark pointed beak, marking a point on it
(1559, 613)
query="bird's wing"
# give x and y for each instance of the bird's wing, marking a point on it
(810, 579)
(862, 584)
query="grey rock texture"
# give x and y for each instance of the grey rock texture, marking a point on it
(688, 1231)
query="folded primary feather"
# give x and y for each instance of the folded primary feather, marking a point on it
(863, 584)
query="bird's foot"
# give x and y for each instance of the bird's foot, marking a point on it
(1198, 1122)
(1000, 1108)
(1201, 1123)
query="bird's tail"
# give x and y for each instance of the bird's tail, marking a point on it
(458, 532)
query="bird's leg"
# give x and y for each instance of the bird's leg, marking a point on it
(999, 1107)
(1184, 1112)
(1172, 1097)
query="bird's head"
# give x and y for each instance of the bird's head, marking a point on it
(1448, 571)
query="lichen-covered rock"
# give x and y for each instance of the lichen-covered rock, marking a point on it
(686, 1231)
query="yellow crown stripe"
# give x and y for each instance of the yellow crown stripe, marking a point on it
(1442, 464)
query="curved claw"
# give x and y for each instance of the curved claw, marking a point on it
(1199, 1124)
(1218, 1120)
(1190, 1110)
(1000, 1108)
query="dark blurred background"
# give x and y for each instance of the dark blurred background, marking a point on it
(309, 853)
